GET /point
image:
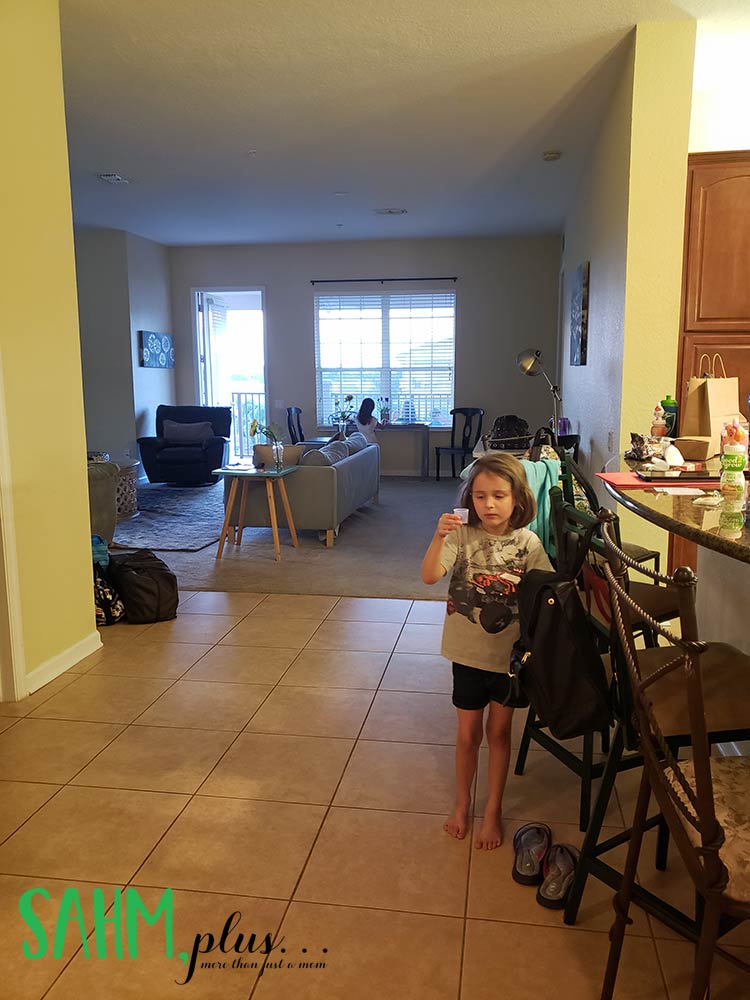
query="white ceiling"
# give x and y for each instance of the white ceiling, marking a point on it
(442, 107)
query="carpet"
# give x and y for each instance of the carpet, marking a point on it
(173, 518)
(378, 552)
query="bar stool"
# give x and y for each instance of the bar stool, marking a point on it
(726, 694)
(705, 801)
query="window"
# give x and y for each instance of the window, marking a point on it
(400, 346)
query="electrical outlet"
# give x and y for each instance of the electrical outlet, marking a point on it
(611, 442)
(279, 404)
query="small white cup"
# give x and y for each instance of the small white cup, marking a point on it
(463, 513)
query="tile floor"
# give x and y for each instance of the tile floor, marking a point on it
(290, 758)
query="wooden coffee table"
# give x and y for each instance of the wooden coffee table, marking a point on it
(247, 476)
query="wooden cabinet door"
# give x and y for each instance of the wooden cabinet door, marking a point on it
(717, 274)
(734, 350)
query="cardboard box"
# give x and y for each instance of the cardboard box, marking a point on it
(695, 449)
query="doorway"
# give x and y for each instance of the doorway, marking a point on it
(232, 357)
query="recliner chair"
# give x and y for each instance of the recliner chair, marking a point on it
(189, 454)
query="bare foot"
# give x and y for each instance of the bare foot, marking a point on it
(458, 822)
(490, 833)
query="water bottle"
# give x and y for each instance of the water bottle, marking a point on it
(669, 406)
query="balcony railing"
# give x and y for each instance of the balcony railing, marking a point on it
(246, 407)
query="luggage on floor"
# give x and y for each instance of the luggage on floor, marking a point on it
(109, 606)
(147, 586)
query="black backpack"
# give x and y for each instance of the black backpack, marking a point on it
(509, 432)
(109, 607)
(147, 586)
(556, 662)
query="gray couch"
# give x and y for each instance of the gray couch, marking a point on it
(320, 496)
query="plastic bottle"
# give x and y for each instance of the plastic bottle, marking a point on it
(659, 425)
(669, 406)
(732, 481)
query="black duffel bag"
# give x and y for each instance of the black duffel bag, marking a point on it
(146, 585)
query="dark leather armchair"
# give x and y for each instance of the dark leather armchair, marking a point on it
(176, 458)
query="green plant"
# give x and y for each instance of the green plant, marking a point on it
(343, 411)
(272, 431)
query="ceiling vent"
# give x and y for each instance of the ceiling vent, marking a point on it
(389, 211)
(113, 178)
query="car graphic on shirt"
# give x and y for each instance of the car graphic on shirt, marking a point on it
(486, 599)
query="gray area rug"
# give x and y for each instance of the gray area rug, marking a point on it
(173, 518)
(378, 552)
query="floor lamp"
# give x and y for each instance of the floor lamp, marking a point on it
(530, 363)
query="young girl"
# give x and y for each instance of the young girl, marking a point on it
(488, 556)
(365, 421)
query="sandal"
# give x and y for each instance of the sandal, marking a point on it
(531, 843)
(559, 870)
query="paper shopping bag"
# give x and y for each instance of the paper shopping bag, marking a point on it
(710, 403)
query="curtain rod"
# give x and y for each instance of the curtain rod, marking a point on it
(358, 281)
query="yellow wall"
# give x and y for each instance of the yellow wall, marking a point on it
(39, 343)
(662, 86)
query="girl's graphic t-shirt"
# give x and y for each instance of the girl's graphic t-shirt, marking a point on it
(481, 621)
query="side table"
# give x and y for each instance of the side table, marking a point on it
(246, 476)
(127, 490)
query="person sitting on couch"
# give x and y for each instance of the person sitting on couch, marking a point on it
(366, 423)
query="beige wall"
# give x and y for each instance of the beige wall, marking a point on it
(506, 301)
(46, 467)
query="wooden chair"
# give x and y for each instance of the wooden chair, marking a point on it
(705, 801)
(294, 424)
(469, 435)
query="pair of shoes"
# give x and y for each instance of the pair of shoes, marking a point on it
(538, 861)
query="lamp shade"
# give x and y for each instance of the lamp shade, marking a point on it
(530, 362)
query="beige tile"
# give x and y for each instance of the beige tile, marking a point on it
(409, 777)
(202, 705)
(185, 595)
(242, 665)
(26, 979)
(280, 768)
(563, 962)
(95, 834)
(121, 632)
(411, 718)
(547, 790)
(308, 711)
(727, 981)
(152, 975)
(6, 723)
(331, 668)
(19, 709)
(370, 609)
(493, 895)
(156, 759)
(311, 606)
(103, 699)
(418, 672)
(387, 860)
(420, 639)
(427, 969)
(148, 659)
(219, 603)
(375, 636)
(191, 628)
(50, 750)
(271, 632)
(18, 800)
(427, 613)
(236, 846)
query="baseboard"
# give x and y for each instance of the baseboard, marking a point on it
(61, 662)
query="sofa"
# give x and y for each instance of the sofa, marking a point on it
(190, 442)
(321, 495)
(103, 498)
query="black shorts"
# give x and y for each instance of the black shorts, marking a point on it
(474, 689)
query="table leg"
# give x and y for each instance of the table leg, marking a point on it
(243, 504)
(274, 522)
(288, 512)
(227, 517)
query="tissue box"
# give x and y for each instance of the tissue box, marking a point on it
(695, 449)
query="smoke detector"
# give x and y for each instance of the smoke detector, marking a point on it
(389, 211)
(113, 178)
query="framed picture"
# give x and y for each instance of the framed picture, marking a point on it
(155, 350)
(579, 315)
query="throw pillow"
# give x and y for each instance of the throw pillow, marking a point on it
(315, 456)
(336, 451)
(263, 453)
(179, 433)
(358, 441)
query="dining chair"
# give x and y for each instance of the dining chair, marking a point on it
(294, 424)
(705, 800)
(464, 441)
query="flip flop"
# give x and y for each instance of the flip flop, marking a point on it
(531, 843)
(559, 869)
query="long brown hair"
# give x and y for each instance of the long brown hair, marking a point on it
(500, 463)
(366, 410)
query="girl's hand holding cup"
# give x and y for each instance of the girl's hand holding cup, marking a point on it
(448, 523)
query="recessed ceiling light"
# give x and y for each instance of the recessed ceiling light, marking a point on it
(389, 211)
(113, 178)
(340, 194)
(252, 152)
(549, 155)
